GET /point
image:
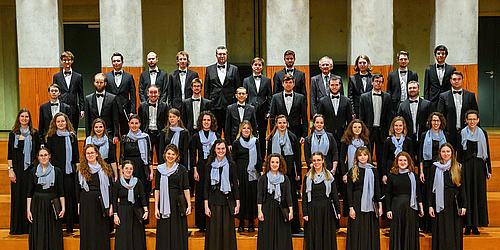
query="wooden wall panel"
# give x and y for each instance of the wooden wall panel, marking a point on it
(136, 72)
(470, 76)
(201, 74)
(384, 70)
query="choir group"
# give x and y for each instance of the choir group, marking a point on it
(421, 164)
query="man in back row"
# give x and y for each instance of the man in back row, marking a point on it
(298, 76)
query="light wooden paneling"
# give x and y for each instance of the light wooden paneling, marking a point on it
(136, 72)
(470, 76)
(201, 74)
(384, 70)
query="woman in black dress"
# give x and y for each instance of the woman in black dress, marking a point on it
(283, 142)
(95, 179)
(246, 155)
(365, 206)
(273, 198)
(99, 137)
(171, 195)
(474, 153)
(447, 201)
(175, 133)
(200, 144)
(23, 144)
(136, 147)
(45, 184)
(320, 140)
(61, 140)
(130, 232)
(430, 141)
(320, 206)
(222, 198)
(404, 204)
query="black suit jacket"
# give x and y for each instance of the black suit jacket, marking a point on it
(109, 113)
(125, 94)
(161, 115)
(299, 78)
(233, 121)
(394, 86)
(174, 88)
(261, 100)
(446, 106)
(432, 87)
(187, 112)
(317, 91)
(336, 123)
(355, 89)
(423, 112)
(45, 117)
(366, 110)
(221, 94)
(73, 96)
(297, 119)
(145, 82)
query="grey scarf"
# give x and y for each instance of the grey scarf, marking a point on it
(223, 179)
(273, 184)
(438, 187)
(103, 182)
(323, 145)
(479, 137)
(103, 144)
(176, 136)
(351, 150)
(47, 178)
(140, 137)
(279, 141)
(429, 137)
(130, 186)
(368, 188)
(398, 144)
(69, 149)
(207, 142)
(27, 146)
(413, 196)
(252, 157)
(164, 188)
(318, 178)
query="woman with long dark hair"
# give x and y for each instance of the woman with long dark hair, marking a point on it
(320, 140)
(175, 133)
(24, 142)
(61, 140)
(99, 137)
(222, 198)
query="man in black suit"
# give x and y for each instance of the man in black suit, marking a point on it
(360, 82)
(397, 81)
(121, 84)
(437, 77)
(415, 111)
(375, 112)
(320, 84)
(193, 106)
(236, 113)
(49, 109)
(298, 76)
(179, 87)
(454, 103)
(293, 105)
(71, 88)
(101, 104)
(337, 110)
(153, 76)
(221, 81)
(260, 92)
(153, 115)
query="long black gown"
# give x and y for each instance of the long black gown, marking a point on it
(46, 232)
(129, 150)
(447, 226)
(404, 224)
(172, 233)
(320, 229)
(248, 189)
(364, 231)
(274, 232)
(220, 225)
(474, 169)
(199, 162)
(94, 227)
(130, 233)
(57, 146)
(19, 224)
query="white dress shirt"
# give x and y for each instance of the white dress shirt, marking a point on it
(241, 111)
(257, 82)
(152, 116)
(100, 101)
(196, 111)
(414, 110)
(54, 109)
(67, 77)
(182, 77)
(152, 75)
(335, 102)
(118, 78)
(457, 98)
(221, 72)
(440, 73)
(364, 80)
(288, 102)
(377, 108)
(403, 78)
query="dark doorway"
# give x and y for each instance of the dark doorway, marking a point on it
(83, 40)
(489, 71)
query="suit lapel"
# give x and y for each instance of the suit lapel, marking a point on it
(63, 81)
(322, 84)
(359, 82)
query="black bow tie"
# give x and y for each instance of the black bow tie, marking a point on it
(289, 71)
(289, 95)
(403, 71)
(221, 66)
(379, 94)
(182, 71)
(335, 96)
(118, 73)
(440, 66)
(413, 101)
(152, 104)
(54, 104)
(257, 77)
(153, 71)
(99, 95)
(67, 73)
(241, 106)
(196, 100)
(364, 76)
(457, 92)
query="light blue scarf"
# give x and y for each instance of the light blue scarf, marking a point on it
(27, 146)
(323, 145)
(164, 188)
(368, 188)
(68, 148)
(140, 137)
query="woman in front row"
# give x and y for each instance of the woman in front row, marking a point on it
(45, 184)
(99, 137)
(273, 198)
(365, 206)
(171, 194)
(404, 203)
(448, 201)
(320, 206)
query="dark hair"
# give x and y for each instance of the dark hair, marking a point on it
(456, 72)
(471, 112)
(289, 52)
(213, 121)
(153, 86)
(402, 52)
(377, 75)
(135, 116)
(98, 120)
(221, 47)
(441, 118)
(213, 155)
(116, 54)
(174, 148)
(349, 135)
(84, 164)
(177, 113)
(267, 164)
(287, 77)
(270, 135)
(441, 47)
(54, 85)
(44, 148)
(258, 59)
(16, 129)
(182, 53)
(129, 162)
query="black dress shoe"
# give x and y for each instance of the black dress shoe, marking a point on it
(69, 230)
(241, 229)
(475, 231)
(467, 230)
(251, 230)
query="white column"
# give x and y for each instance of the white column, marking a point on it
(287, 27)
(204, 30)
(121, 31)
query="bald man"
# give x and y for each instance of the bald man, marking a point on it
(153, 76)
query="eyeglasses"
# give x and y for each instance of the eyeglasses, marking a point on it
(90, 153)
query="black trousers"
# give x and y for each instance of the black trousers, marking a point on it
(75, 118)
(377, 138)
(154, 137)
(123, 123)
(220, 115)
(262, 130)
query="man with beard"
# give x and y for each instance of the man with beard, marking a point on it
(397, 81)
(298, 76)
(179, 82)
(153, 76)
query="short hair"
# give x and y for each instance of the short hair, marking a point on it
(327, 58)
(402, 52)
(287, 77)
(441, 47)
(116, 54)
(135, 116)
(414, 82)
(289, 52)
(153, 86)
(54, 85)
(456, 72)
(221, 47)
(471, 112)
(198, 80)
(258, 59)
(334, 78)
(67, 54)
(182, 53)
(356, 68)
(377, 75)
(241, 88)
(102, 75)
(441, 118)
(174, 148)
(153, 53)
